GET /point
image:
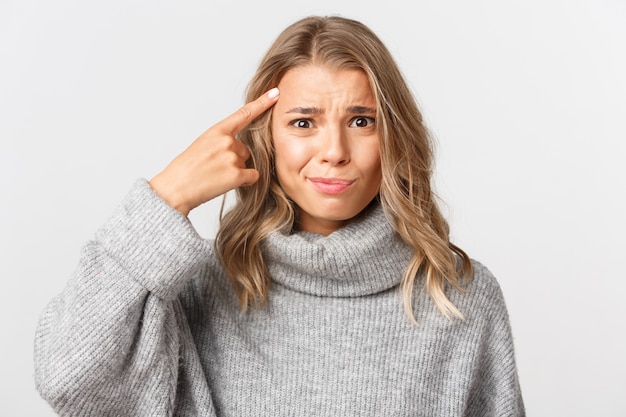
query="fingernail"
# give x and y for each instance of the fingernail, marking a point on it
(273, 93)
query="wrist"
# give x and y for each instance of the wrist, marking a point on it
(170, 194)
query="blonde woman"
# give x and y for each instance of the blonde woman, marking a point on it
(332, 287)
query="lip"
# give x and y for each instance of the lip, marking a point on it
(330, 185)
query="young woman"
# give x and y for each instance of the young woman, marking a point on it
(332, 287)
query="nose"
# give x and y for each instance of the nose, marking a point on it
(334, 147)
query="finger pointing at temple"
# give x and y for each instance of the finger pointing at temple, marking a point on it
(214, 163)
(234, 123)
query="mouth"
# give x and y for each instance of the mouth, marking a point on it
(331, 185)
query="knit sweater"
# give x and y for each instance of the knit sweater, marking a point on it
(149, 325)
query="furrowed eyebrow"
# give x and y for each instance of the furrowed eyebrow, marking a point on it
(317, 110)
(361, 110)
(305, 110)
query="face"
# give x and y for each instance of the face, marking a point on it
(326, 145)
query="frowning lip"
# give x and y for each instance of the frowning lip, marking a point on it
(330, 185)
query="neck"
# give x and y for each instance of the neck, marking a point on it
(363, 257)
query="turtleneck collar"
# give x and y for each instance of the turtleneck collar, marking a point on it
(365, 257)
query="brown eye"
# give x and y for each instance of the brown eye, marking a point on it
(302, 123)
(362, 122)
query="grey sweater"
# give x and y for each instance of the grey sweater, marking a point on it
(149, 326)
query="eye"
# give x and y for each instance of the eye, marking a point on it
(362, 121)
(302, 123)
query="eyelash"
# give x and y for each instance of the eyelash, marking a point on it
(370, 121)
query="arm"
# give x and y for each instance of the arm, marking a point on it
(109, 342)
(495, 390)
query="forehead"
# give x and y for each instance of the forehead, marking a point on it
(320, 85)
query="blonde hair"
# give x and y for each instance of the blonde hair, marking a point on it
(406, 162)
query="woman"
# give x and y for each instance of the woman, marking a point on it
(295, 309)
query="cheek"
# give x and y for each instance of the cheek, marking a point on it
(290, 157)
(370, 158)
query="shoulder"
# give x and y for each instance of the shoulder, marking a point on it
(483, 280)
(482, 296)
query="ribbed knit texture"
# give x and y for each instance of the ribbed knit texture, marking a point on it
(149, 326)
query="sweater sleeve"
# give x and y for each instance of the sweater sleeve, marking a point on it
(495, 390)
(109, 343)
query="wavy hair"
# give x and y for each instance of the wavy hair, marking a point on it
(406, 153)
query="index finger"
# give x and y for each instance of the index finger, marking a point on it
(250, 111)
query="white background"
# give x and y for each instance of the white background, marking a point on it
(525, 98)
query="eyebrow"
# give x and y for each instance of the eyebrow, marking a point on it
(317, 110)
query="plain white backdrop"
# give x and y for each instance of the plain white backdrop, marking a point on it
(526, 100)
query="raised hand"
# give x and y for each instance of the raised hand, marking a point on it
(214, 163)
